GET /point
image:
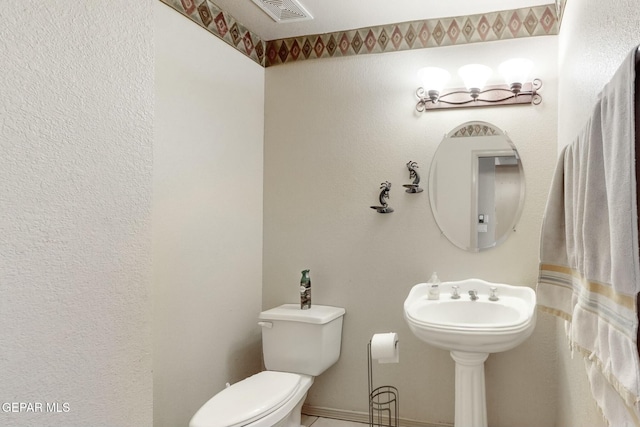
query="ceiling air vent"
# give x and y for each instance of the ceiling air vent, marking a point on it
(283, 11)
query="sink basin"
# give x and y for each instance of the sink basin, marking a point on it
(473, 326)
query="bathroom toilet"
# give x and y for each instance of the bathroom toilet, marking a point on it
(297, 345)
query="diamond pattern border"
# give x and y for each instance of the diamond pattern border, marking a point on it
(541, 20)
(476, 130)
(507, 24)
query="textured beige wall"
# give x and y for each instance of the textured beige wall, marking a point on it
(594, 40)
(76, 135)
(334, 130)
(207, 217)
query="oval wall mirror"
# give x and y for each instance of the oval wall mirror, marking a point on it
(476, 186)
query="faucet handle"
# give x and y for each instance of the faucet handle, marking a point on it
(455, 292)
(493, 294)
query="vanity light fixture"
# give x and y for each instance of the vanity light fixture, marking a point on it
(517, 90)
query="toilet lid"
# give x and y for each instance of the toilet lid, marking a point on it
(247, 400)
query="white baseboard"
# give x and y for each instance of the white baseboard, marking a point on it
(359, 417)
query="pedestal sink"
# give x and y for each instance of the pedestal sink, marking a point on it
(471, 318)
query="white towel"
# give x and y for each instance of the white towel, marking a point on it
(589, 264)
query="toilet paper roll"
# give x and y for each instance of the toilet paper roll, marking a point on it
(385, 348)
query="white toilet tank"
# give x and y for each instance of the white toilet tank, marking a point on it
(301, 341)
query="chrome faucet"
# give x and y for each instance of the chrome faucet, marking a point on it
(473, 294)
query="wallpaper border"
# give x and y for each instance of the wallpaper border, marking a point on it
(541, 20)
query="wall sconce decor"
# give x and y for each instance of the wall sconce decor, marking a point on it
(384, 195)
(516, 91)
(414, 187)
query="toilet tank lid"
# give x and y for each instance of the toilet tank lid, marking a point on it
(318, 314)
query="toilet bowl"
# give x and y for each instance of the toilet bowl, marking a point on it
(297, 345)
(267, 399)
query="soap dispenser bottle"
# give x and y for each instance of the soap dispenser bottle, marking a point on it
(305, 290)
(434, 287)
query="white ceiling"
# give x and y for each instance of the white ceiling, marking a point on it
(340, 15)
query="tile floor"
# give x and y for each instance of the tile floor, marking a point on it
(308, 421)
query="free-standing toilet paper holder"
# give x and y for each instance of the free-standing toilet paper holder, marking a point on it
(383, 401)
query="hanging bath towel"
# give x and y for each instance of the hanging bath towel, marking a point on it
(589, 264)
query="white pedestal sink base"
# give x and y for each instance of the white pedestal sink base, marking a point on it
(471, 402)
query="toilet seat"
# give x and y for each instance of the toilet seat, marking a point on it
(248, 400)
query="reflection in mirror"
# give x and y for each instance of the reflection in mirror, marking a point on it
(476, 186)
